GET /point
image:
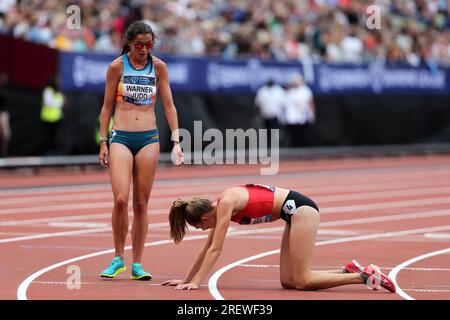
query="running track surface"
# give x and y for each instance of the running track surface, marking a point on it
(394, 212)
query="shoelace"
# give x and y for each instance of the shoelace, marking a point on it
(115, 262)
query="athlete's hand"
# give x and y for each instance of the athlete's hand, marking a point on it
(187, 286)
(173, 282)
(177, 154)
(103, 156)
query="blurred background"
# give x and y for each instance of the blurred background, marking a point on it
(327, 73)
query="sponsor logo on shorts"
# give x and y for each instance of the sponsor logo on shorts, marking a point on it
(112, 134)
(290, 207)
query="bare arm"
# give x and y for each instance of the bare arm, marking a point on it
(199, 258)
(166, 97)
(196, 265)
(169, 108)
(112, 78)
(224, 211)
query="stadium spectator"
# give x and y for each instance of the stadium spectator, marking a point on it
(414, 32)
(300, 111)
(270, 100)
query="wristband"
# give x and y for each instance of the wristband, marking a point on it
(102, 139)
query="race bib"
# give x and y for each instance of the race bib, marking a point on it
(247, 220)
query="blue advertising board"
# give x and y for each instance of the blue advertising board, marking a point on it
(81, 71)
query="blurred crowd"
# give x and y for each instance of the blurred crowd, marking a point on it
(411, 31)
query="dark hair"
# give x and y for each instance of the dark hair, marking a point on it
(183, 212)
(135, 28)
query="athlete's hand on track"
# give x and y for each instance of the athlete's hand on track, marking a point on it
(177, 154)
(173, 282)
(103, 156)
(187, 286)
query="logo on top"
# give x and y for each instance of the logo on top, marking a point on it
(140, 80)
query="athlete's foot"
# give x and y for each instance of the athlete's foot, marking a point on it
(137, 273)
(352, 267)
(116, 267)
(375, 278)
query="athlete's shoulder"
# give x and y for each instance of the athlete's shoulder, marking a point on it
(231, 195)
(159, 64)
(116, 64)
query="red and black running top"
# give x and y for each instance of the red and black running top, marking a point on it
(259, 205)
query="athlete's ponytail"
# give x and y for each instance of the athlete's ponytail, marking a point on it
(186, 212)
(126, 48)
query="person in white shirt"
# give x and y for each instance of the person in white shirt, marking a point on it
(270, 100)
(300, 111)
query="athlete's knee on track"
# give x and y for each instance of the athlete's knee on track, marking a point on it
(303, 282)
(287, 284)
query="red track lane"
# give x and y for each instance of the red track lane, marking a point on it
(51, 217)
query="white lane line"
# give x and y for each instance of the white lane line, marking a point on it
(212, 283)
(78, 206)
(22, 289)
(347, 222)
(83, 217)
(340, 267)
(385, 205)
(399, 171)
(107, 195)
(59, 218)
(54, 234)
(70, 233)
(402, 216)
(427, 290)
(323, 210)
(383, 194)
(437, 235)
(394, 272)
(161, 186)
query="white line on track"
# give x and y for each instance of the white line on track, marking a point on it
(212, 283)
(437, 235)
(382, 218)
(386, 205)
(323, 210)
(427, 290)
(173, 183)
(22, 289)
(107, 195)
(340, 267)
(69, 233)
(394, 272)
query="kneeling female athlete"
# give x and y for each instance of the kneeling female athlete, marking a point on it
(250, 204)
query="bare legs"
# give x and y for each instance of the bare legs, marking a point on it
(142, 167)
(120, 168)
(296, 255)
(145, 164)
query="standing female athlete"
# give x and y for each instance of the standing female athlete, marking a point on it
(252, 204)
(132, 81)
